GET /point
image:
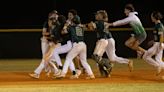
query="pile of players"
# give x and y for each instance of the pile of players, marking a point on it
(61, 35)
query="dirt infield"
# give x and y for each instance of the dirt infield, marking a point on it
(16, 72)
(140, 76)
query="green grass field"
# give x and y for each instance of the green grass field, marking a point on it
(86, 88)
(29, 65)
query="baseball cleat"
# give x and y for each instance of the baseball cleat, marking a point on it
(78, 72)
(34, 75)
(74, 76)
(57, 73)
(130, 65)
(159, 70)
(90, 77)
(60, 76)
(109, 76)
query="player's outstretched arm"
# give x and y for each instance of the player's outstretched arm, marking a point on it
(89, 26)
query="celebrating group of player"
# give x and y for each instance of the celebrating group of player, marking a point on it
(67, 36)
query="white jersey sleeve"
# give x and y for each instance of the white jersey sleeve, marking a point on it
(123, 21)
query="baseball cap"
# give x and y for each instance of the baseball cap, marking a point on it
(76, 19)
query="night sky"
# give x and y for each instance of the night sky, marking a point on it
(32, 13)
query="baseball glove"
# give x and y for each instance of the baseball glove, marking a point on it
(91, 26)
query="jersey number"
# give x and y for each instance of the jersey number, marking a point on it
(79, 31)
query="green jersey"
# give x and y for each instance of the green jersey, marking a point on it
(159, 29)
(102, 32)
(134, 22)
(77, 33)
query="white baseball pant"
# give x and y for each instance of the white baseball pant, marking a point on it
(79, 49)
(42, 65)
(100, 47)
(44, 46)
(158, 52)
(110, 50)
(61, 50)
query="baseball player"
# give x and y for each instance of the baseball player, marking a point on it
(139, 32)
(45, 43)
(46, 33)
(66, 44)
(106, 43)
(158, 46)
(78, 49)
(53, 38)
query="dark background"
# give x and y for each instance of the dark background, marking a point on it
(27, 44)
(28, 14)
(32, 13)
